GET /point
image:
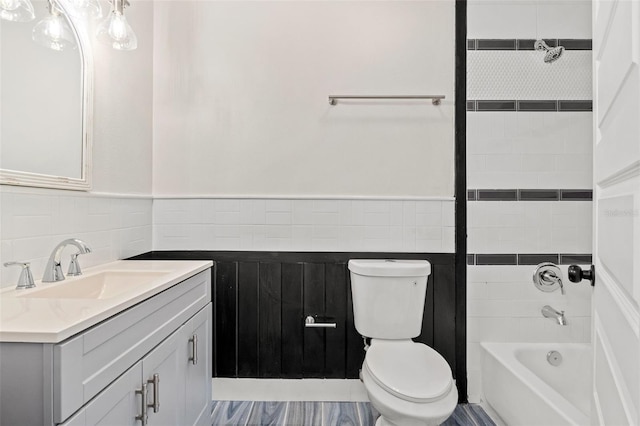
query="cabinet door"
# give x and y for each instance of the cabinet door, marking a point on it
(118, 404)
(198, 368)
(164, 370)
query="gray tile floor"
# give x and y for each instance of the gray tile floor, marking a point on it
(261, 413)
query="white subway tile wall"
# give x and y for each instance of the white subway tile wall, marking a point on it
(34, 221)
(504, 306)
(529, 226)
(529, 150)
(303, 225)
(526, 150)
(529, 19)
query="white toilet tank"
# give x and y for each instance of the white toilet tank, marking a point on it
(388, 296)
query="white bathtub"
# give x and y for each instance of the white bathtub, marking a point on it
(524, 389)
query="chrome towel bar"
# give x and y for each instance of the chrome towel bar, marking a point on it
(435, 99)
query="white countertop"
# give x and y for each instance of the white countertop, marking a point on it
(47, 320)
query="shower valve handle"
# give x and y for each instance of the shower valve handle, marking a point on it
(576, 274)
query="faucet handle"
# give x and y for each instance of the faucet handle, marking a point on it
(74, 266)
(26, 278)
(547, 277)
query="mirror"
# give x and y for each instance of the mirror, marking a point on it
(45, 106)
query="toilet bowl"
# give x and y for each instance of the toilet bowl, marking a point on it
(409, 383)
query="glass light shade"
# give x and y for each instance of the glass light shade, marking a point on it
(116, 32)
(16, 10)
(86, 9)
(54, 32)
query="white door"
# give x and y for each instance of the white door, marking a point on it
(616, 301)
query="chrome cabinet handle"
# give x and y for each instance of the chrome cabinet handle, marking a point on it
(156, 392)
(310, 322)
(143, 396)
(194, 349)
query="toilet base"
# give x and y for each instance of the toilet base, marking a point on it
(397, 412)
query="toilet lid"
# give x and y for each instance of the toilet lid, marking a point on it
(413, 372)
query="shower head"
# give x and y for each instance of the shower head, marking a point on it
(552, 53)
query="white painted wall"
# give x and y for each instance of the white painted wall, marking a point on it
(523, 150)
(240, 98)
(123, 131)
(115, 217)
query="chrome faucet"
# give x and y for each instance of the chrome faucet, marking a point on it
(26, 278)
(549, 312)
(53, 270)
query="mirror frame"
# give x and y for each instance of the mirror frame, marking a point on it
(16, 177)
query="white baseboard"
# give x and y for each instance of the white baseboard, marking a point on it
(226, 389)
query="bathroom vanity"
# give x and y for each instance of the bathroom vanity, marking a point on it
(128, 343)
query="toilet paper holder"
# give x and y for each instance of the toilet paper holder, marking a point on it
(310, 322)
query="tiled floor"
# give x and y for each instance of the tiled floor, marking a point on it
(260, 413)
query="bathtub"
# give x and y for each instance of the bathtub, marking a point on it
(524, 389)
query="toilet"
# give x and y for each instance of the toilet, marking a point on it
(409, 383)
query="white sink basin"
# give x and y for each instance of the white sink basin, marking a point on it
(103, 285)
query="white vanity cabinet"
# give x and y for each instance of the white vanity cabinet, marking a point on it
(148, 365)
(172, 375)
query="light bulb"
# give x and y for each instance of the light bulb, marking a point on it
(54, 31)
(16, 10)
(116, 32)
(86, 9)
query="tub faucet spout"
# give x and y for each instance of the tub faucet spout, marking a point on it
(549, 312)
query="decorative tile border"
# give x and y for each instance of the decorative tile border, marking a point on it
(514, 259)
(527, 44)
(530, 105)
(529, 195)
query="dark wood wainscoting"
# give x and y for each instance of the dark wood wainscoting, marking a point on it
(262, 298)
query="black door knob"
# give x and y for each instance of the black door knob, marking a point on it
(576, 274)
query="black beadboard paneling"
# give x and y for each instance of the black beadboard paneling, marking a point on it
(426, 334)
(444, 296)
(262, 298)
(225, 300)
(354, 344)
(292, 317)
(314, 344)
(270, 301)
(335, 310)
(248, 341)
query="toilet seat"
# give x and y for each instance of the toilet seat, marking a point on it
(410, 371)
